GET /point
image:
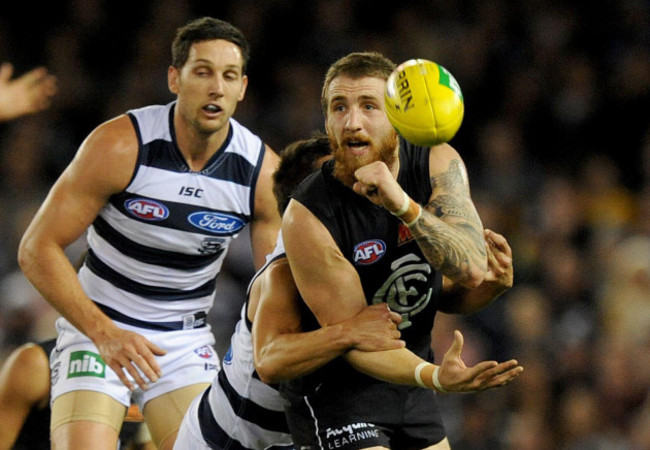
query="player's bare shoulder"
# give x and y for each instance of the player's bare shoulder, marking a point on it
(113, 138)
(446, 167)
(109, 154)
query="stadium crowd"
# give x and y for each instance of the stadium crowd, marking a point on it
(556, 139)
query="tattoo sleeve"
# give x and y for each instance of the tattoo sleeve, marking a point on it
(450, 232)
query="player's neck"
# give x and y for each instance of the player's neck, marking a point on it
(197, 148)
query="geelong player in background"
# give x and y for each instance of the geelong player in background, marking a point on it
(161, 191)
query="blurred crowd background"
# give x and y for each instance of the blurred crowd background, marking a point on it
(556, 139)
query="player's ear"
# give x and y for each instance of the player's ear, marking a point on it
(244, 85)
(172, 79)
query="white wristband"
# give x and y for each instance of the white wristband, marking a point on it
(412, 222)
(436, 381)
(405, 206)
(418, 369)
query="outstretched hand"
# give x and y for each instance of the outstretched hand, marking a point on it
(455, 376)
(27, 94)
(129, 353)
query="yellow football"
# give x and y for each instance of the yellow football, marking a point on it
(424, 102)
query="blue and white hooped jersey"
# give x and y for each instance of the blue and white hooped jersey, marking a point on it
(238, 410)
(156, 248)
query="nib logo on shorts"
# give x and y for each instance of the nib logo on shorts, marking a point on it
(86, 364)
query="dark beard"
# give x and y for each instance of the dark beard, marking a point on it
(345, 165)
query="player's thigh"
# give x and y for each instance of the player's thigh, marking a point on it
(442, 445)
(189, 435)
(83, 435)
(164, 413)
(86, 419)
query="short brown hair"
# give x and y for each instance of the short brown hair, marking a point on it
(207, 29)
(357, 65)
(297, 160)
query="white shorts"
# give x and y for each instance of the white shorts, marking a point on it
(76, 364)
(189, 435)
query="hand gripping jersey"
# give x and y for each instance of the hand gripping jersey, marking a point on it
(156, 248)
(389, 262)
(238, 410)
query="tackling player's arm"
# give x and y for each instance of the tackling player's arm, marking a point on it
(103, 166)
(24, 384)
(266, 220)
(331, 288)
(282, 351)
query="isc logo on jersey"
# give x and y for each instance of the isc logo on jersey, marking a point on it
(369, 252)
(86, 364)
(146, 209)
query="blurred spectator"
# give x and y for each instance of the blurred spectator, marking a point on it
(625, 291)
(528, 431)
(609, 205)
(582, 422)
(504, 170)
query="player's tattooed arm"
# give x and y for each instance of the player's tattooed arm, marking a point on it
(450, 232)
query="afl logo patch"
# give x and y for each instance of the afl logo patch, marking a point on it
(217, 223)
(369, 252)
(146, 209)
(204, 352)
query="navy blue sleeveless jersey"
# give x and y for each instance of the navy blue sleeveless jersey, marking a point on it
(390, 264)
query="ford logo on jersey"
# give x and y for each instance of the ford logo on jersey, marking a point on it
(217, 223)
(146, 209)
(369, 252)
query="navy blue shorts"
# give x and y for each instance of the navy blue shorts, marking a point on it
(355, 417)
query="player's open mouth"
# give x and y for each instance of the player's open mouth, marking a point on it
(356, 146)
(212, 109)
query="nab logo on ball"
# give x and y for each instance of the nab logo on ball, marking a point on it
(369, 252)
(424, 102)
